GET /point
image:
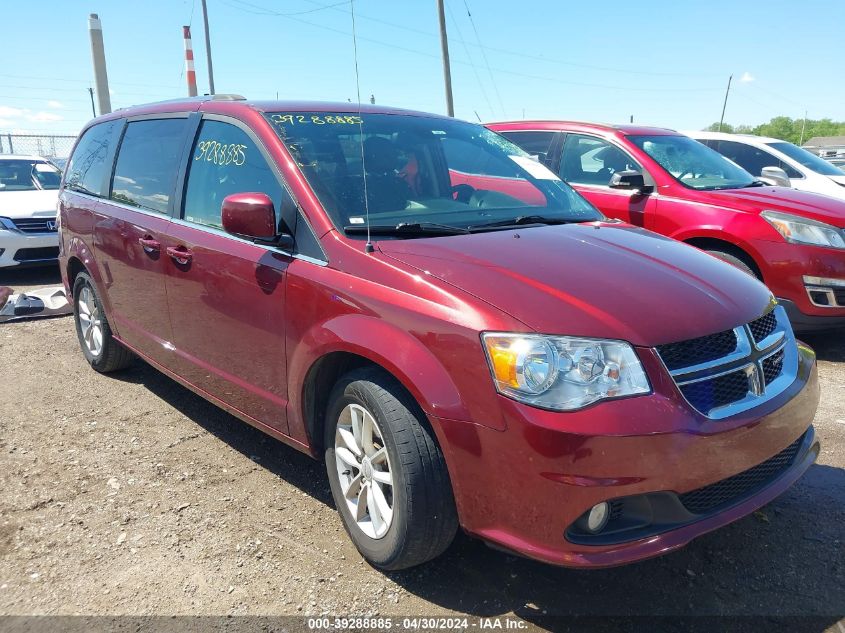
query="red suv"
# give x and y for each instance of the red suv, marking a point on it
(666, 182)
(460, 335)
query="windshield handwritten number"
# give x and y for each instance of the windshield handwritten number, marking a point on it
(221, 153)
(316, 119)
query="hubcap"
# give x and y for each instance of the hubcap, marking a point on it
(363, 469)
(90, 322)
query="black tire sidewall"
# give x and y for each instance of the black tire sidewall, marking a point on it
(380, 552)
(734, 261)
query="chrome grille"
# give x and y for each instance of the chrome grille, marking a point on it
(697, 350)
(35, 225)
(763, 327)
(721, 375)
(720, 391)
(773, 366)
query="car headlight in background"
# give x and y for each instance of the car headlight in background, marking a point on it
(798, 230)
(562, 373)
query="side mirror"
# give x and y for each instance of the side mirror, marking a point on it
(628, 179)
(776, 176)
(252, 215)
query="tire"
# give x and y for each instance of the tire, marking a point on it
(734, 261)
(91, 325)
(423, 520)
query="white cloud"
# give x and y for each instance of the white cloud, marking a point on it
(6, 123)
(44, 117)
(10, 113)
(55, 104)
(746, 78)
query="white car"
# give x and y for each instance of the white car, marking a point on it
(29, 188)
(786, 164)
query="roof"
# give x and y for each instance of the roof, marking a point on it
(625, 129)
(725, 136)
(195, 103)
(825, 141)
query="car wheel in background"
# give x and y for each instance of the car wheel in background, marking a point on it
(735, 261)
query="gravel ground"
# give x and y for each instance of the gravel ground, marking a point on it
(128, 494)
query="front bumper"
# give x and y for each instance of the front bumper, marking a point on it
(785, 267)
(523, 489)
(28, 249)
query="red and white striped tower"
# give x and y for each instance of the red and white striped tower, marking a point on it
(190, 74)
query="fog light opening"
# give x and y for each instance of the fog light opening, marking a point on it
(596, 519)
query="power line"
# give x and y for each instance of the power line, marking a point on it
(469, 56)
(486, 62)
(650, 89)
(551, 60)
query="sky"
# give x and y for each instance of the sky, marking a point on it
(662, 62)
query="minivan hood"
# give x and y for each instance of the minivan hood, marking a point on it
(839, 180)
(815, 206)
(27, 204)
(605, 280)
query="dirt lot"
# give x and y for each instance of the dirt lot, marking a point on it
(128, 494)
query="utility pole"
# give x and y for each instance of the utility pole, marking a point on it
(803, 127)
(725, 105)
(91, 94)
(447, 71)
(98, 55)
(208, 49)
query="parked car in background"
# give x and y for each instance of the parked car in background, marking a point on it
(460, 335)
(669, 183)
(28, 195)
(777, 162)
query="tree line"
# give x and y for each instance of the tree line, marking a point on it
(787, 129)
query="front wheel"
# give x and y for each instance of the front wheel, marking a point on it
(387, 473)
(734, 261)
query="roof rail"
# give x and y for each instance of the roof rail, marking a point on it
(200, 98)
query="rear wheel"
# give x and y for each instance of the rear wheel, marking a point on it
(733, 260)
(387, 473)
(101, 351)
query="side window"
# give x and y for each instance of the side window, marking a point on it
(147, 163)
(225, 161)
(86, 170)
(751, 159)
(535, 143)
(588, 160)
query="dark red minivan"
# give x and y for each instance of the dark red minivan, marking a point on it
(462, 337)
(792, 240)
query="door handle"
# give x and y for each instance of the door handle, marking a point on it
(149, 244)
(180, 254)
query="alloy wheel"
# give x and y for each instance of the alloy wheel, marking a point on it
(90, 321)
(363, 469)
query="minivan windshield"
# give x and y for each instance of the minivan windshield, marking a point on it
(425, 174)
(28, 175)
(809, 160)
(693, 164)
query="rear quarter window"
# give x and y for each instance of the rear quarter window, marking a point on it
(87, 168)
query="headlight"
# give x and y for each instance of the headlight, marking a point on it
(800, 230)
(561, 372)
(3, 226)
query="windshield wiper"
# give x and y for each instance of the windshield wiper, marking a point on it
(522, 220)
(406, 228)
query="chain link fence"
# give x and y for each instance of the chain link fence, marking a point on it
(46, 145)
